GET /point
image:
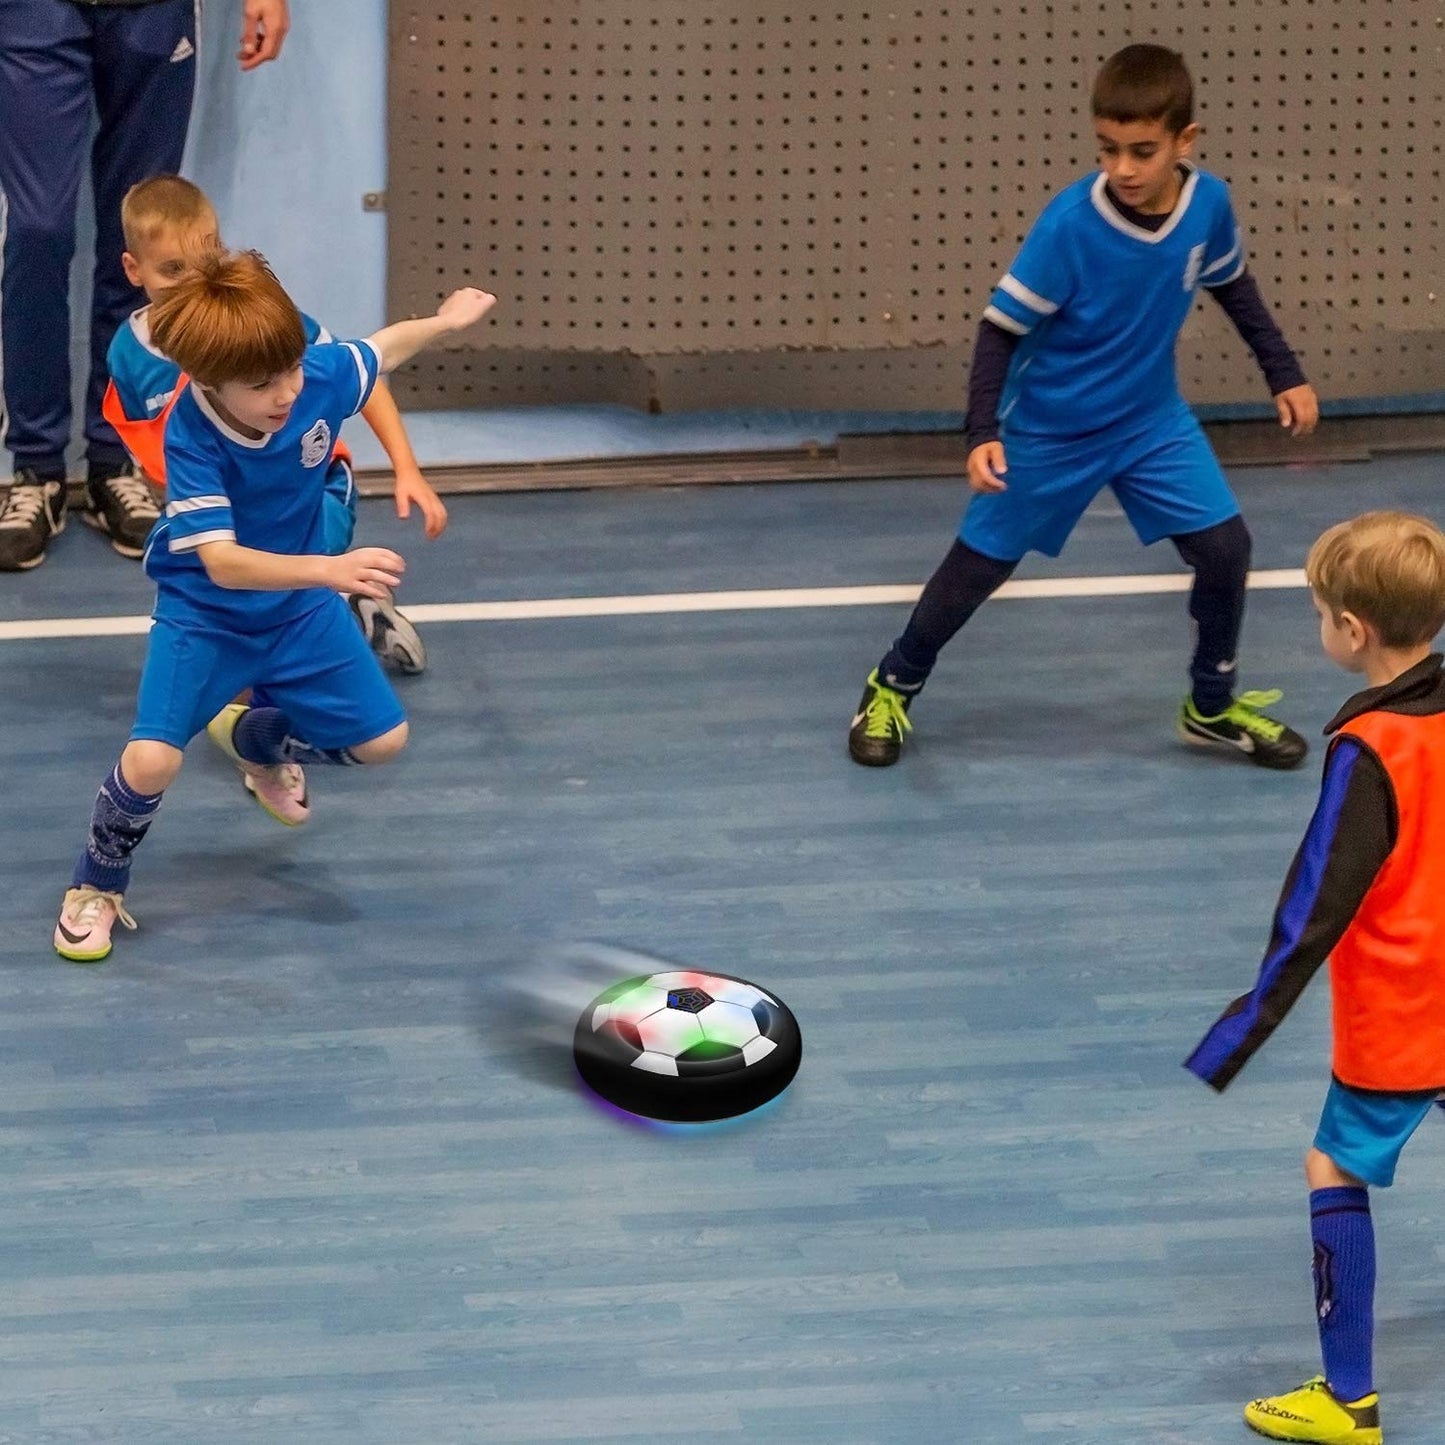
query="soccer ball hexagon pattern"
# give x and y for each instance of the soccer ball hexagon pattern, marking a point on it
(687, 1045)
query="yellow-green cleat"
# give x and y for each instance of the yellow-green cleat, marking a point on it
(1313, 1415)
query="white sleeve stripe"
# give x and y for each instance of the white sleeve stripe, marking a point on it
(360, 369)
(195, 504)
(189, 544)
(1002, 318)
(1016, 288)
(1225, 280)
(363, 380)
(323, 336)
(1223, 261)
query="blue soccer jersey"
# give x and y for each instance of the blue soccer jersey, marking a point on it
(265, 493)
(145, 377)
(1099, 301)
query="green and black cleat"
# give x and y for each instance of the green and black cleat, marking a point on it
(876, 737)
(1243, 728)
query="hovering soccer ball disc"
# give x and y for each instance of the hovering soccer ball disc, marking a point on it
(686, 1045)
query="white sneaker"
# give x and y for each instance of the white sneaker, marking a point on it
(86, 918)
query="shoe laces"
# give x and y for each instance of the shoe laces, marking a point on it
(1245, 712)
(133, 493)
(885, 714)
(23, 505)
(87, 901)
(286, 776)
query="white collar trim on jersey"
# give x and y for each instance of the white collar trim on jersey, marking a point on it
(140, 325)
(225, 428)
(1139, 233)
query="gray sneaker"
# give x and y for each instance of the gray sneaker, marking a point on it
(390, 633)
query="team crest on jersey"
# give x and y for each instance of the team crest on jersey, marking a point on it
(1193, 266)
(316, 444)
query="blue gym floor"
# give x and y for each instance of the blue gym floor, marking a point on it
(281, 1170)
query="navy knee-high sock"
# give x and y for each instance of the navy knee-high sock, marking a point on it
(120, 819)
(963, 582)
(263, 735)
(1219, 556)
(1344, 1271)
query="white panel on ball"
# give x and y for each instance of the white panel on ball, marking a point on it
(669, 1031)
(760, 1048)
(728, 1023)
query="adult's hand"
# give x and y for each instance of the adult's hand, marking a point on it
(264, 27)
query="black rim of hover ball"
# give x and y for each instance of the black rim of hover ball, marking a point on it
(606, 1068)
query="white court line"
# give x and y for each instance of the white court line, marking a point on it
(651, 604)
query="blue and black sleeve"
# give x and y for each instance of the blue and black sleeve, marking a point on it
(1245, 307)
(1348, 839)
(992, 353)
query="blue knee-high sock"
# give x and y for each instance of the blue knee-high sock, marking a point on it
(263, 735)
(120, 819)
(1344, 1270)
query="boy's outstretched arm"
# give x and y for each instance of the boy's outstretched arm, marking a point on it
(383, 416)
(1345, 846)
(1294, 397)
(396, 344)
(368, 571)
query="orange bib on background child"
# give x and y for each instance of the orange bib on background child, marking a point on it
(146, 440)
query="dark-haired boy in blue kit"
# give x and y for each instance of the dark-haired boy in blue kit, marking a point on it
(1073, 377)
(1367, 891)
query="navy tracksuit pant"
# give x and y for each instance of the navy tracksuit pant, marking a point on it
(132, 66)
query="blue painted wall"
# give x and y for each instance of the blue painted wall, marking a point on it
(287, 152)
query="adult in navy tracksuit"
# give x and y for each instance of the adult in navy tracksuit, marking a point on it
(132, 65)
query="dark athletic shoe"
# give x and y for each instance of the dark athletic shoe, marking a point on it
(123, 505)
(33, 513)
(876, 737)
(1243, 728)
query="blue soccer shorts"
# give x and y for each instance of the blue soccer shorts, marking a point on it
(317, 668)
(1164, 473)
(1364, 1132)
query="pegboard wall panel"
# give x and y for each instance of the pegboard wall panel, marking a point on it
(792, 200)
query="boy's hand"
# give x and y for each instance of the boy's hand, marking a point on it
(986, 468)
(1299, 409)
(365, 571)
(466, 307)
(263, 29)
(412, 487)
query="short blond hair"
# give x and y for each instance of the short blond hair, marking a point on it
(165, 203)
(1388, 568)
(230, 320)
